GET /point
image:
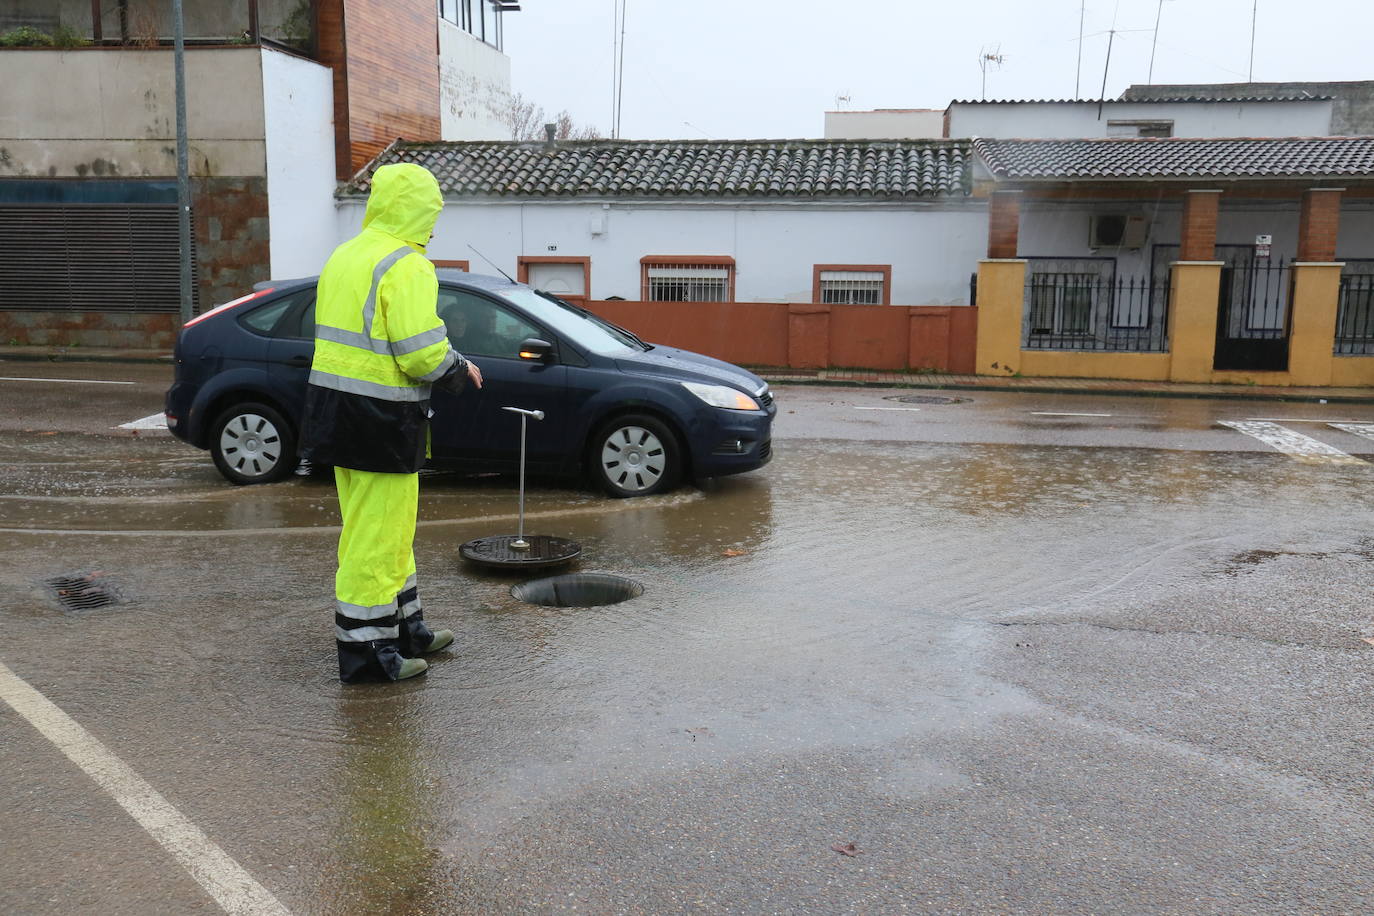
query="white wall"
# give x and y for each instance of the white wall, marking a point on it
(1052, 231)
(933, 248)
(884, 124)
(1191, 119)
(298, 112)
(474, 87)
(93, 112)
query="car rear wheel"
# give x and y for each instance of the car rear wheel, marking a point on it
(251, 443)
(636, 455)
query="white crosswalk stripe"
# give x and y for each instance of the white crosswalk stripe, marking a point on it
(1365, 430)
(1304, 448)
(153, 421)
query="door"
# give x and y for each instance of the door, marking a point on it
(566, 278)
(1252, 313)
(471, 426)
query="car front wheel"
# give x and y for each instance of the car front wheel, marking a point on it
(252, 443)
(636, 455)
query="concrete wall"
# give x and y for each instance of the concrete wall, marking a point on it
(1029, 120)
(298, 112)
(932, 247)
(474, 86)
(884, 124)
(1352, 106)
(99, 113)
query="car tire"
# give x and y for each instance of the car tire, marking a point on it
(635, 455)
(253, 443)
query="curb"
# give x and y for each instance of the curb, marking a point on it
(1051, 389)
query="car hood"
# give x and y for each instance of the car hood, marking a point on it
(670, 362)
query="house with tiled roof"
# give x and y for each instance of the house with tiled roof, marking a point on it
(871, 222)
(1247, 260)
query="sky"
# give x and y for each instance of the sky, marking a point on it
(739, 69)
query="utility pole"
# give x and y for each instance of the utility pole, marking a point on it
(183, 176)
(1153, 41)
(1254, 14)
(1078, 73)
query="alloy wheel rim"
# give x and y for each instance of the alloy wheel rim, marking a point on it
(633, 458)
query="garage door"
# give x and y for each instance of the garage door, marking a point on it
(90, 257)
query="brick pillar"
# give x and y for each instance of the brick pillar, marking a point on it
(1004, 222)
(1319, 224)
(1198, 237)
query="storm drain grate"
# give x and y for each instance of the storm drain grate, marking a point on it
(925, 399)
(80, 592)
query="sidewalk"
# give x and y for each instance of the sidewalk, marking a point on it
(865, 378)
(860, 378)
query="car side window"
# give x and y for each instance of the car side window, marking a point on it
(277, 318)
(479, 327)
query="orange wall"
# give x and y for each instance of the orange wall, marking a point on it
(806, 335)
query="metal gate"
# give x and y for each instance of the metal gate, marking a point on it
(1253, 314)
(91, 257)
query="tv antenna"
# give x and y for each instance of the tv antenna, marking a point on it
(842, 100)
(986, 58)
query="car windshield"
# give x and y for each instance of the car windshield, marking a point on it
(578, 325)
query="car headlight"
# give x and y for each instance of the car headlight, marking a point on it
(722, 396)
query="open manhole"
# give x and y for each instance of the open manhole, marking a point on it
(83, 591)
(925, 399)
(577, 590)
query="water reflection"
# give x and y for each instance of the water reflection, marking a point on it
(383, 838)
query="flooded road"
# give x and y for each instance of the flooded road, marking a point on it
(1023, 662)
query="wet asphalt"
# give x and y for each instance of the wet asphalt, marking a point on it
(1023, 663)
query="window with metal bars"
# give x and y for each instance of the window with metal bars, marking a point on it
(1062, 303)
(680, 279)
(852, 287)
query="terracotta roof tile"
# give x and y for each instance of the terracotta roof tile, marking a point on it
(1179, 157)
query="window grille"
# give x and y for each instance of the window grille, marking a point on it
(1062, 303)
(852, 287)
(688, 282)
(1355, 313)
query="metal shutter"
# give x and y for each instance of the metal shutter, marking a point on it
(91, 257)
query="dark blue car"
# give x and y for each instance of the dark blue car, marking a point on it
(636, 417)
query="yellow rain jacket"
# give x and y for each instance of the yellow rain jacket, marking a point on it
(379, 343)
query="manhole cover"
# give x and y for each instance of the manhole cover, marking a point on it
(497, 552)
(83, 591)
(925, 399)
(577, 590)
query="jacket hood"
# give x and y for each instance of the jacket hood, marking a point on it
(405, 202)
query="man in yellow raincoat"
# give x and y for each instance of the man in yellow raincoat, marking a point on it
(379, 346)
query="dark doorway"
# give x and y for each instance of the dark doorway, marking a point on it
(1253, 312)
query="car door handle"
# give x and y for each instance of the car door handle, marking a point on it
(298, 362)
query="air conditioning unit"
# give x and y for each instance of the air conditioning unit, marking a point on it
(1117, 230)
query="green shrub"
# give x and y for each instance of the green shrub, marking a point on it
(26, 36)
(64, 36)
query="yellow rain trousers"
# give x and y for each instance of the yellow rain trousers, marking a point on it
(379, 345)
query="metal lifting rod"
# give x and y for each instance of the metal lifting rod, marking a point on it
(520, 543)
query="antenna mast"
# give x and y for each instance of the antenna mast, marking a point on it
(1158, 12)
(984, 58)
(1254, 14)
(1078, 73)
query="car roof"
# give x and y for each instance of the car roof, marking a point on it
(447, 275)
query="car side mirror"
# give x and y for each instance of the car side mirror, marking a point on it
(536, 350)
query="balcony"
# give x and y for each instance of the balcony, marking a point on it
(286, 24)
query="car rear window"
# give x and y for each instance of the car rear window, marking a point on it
(268, 320)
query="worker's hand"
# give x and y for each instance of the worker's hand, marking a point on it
(474, 373)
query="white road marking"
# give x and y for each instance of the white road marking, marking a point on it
(912, 409)
(1290, 419)
(71, 381)
(155, 421)
(1299, 446)
(235, 890)
(1051, 413)
(1359, 429)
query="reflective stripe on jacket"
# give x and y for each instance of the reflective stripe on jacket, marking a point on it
(378, 341)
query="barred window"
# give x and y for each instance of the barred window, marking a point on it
(1062, 303)
(852, 287)
(684, 279)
